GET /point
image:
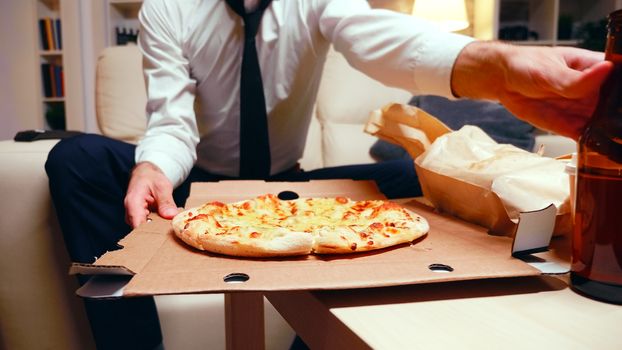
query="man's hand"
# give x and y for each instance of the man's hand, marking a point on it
(149, 190)
(555, 89)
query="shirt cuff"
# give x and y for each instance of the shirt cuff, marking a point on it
(435, 61)
(171, 168)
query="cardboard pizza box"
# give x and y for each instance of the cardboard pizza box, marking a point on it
(415, 130)
(153, 261)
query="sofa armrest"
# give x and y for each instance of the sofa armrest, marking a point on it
(38, 306)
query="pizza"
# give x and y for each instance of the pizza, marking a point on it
(267, 226)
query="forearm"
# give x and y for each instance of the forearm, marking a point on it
(553, 88)
(396, 49)
(172, 135)
(480, 69)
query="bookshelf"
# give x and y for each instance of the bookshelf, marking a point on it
(51, 64)
(539, 22)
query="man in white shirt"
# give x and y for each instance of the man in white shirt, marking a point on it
(193, 49)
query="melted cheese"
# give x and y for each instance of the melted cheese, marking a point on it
(337, 224)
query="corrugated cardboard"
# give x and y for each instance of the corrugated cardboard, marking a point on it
(162, 264)
(397, 123)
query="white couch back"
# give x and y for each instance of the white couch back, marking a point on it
(336, 137)
(120, 94)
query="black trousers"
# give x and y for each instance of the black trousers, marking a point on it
(89, 175)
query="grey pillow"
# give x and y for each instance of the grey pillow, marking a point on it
(491, 117)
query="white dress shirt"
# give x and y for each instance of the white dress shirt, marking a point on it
(193, 48)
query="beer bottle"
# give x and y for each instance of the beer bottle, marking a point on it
(596, 269)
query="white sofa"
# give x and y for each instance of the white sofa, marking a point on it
(38, 307)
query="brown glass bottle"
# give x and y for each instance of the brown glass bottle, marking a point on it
(597, 239)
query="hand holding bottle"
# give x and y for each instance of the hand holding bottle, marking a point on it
(553, 88)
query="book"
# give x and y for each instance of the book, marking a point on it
(46, 79)
(49, 33)
(52, 80)
(42, 35)
(62, 81)
(57, 32)
(58, 81)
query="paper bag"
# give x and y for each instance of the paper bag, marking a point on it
(467, 174)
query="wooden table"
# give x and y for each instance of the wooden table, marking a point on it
(521, 313)
(508, 313)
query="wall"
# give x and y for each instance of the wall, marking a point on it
(19, 103)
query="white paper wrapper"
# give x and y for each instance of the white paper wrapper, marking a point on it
(523, 181)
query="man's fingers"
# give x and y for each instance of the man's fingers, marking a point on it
(164, 200)
(589, 80)
(562, 116)
(580, 59)
(136, 209)
(148, 189)
(167, 208)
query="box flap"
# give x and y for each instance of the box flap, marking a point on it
(534, 231)
(136, 249)
(408, 126)
(229, 191)
(104, 287)
(533, 235)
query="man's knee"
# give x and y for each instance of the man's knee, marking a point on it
(67, 152)
(85, 153)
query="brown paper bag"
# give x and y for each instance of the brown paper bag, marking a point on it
(472, 200)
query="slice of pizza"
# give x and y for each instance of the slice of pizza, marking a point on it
(248, 228)
(370, 225)
(266, 226)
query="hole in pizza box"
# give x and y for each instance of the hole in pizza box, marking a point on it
(441, 268)
(288, 195)
(236, 277)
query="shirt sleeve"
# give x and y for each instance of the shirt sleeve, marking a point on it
(396, 49)
(172, 133)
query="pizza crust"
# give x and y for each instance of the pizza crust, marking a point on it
(289, 244)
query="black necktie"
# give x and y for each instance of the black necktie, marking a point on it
(254, 138)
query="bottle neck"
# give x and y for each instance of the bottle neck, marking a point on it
(613, 50)
(604, 130)
(610, 99)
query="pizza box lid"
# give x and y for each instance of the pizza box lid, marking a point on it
(153, 261)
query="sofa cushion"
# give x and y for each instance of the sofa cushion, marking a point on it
(312, 156)
(345, 99)
(121, 97)
(346, 144)
(348, 96)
